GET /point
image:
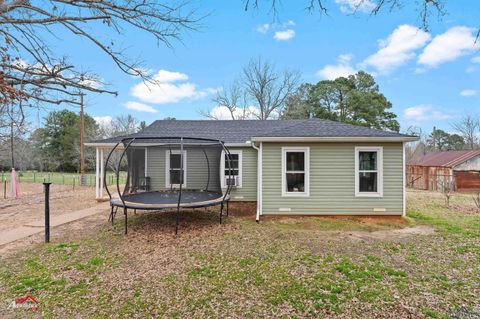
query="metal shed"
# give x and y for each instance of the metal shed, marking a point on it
(460, 169)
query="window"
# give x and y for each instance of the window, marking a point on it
(295, 171)
(369, 171)
(174, 170)
(231, 175)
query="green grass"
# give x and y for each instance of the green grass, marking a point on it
(292, 268)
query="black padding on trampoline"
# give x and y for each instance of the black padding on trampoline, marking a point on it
(169, 199)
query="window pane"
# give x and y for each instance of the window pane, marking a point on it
(295, 161)
(233, 172)
(368, 161)
(368, 182)
(233, 161)
(174, 176)
(175, 160)
(296, 182)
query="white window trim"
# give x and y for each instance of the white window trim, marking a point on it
(240, 170)
(306, 150)
(379, 150)
(167, 168)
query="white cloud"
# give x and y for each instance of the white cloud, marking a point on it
(263, 28)
(448, 46)
(351, 6)
(139, 107)
(333, 71)
(422, 113)
(468, 92)
(281, 31)
(476, 59)
(397, 49)
(284, 35)
(102, 120)
(167, 89)
(222, 113)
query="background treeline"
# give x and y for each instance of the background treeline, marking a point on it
(55, 147)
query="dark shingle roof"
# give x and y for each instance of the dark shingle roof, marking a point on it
(243, 131)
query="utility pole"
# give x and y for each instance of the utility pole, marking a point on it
(11, 136)
(82, 146)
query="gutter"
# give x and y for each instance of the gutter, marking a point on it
(334, 139)
(259, 180)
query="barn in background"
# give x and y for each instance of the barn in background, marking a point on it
(458, 170)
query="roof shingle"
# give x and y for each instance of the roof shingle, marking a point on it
(243, 131)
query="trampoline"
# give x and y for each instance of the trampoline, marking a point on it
(169, 173)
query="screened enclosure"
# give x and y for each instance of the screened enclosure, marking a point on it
(171, 173)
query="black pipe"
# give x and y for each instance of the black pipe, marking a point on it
(180, 190)
(46, 187)
(208, 169)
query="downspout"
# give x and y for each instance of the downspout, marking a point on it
(259, 180)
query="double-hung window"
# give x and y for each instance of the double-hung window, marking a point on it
(369, 171)
(295, 171)
(175, 170)
(231, 169)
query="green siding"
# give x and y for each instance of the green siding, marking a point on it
(197, 168)
(332, 181)
(248, 191)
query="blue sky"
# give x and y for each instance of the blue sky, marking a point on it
(432, 78)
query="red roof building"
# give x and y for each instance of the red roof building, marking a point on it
(458, 170)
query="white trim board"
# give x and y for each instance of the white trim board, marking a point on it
(334, 139)
(379, 170)
(167, 168)
(306, 171)
(240, 168)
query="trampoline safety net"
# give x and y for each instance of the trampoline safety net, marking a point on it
(155, 173)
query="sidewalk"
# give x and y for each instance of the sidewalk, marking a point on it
(37, 226)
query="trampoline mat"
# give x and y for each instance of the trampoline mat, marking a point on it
(169, 199)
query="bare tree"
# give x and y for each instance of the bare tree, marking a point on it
(469, 128)
(425, 8)
(267, 87)
(45, 76)
(234, 100)
(259, 93)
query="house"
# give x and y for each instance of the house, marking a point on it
(460, 169)
(296, 167)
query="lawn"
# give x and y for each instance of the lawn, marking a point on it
(425, 266)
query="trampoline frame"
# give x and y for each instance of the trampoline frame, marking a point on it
(114, 205)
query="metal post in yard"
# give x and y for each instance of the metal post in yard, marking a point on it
(47, 211)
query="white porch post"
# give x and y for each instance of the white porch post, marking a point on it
(101, 174)
(97, 158)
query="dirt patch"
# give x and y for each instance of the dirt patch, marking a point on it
(30, 207)
(392, 234)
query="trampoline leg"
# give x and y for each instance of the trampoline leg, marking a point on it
(111, 213)
(177, 221)
(126, 219)
(221, 213)
(135, 211)
(227, 209)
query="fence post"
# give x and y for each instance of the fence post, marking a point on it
(47, 211)
(73, 182)
(63, 179)
(34, 179)
(5, 189)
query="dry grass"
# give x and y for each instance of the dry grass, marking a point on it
(289, 267)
